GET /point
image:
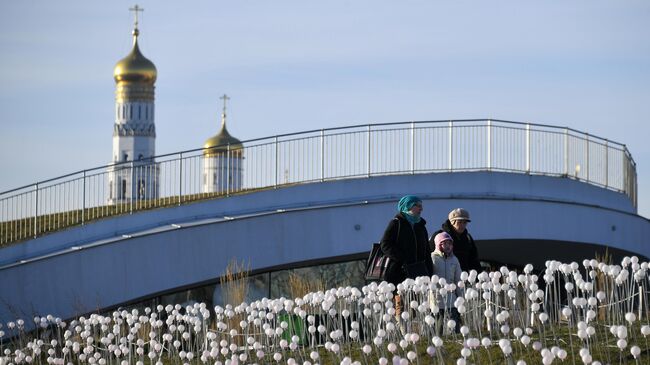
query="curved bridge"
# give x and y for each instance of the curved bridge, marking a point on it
(321, 155)
(517, 218)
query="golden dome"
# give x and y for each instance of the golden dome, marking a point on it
(135, 66)
(222, 141)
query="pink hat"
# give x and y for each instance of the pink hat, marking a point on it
(442, 236)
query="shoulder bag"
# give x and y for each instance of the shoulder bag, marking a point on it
(377, 263)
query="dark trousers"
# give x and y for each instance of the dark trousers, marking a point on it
(444, 315)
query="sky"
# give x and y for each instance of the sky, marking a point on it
(292, 66)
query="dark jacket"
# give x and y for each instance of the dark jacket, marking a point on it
(464, 247)
(405, 244)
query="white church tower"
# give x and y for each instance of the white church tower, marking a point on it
(223, 155)
(135, 174)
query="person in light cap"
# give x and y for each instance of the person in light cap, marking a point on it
(445, 265)
(464, 247)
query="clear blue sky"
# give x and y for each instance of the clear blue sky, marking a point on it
(297, 65)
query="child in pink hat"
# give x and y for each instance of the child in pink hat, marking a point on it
(447, 270)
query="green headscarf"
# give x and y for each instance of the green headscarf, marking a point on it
(405, 204)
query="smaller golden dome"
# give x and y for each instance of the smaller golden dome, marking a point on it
(135, 66)
(222, 141)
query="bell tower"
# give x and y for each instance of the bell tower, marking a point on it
(223, 157)
(134, 173)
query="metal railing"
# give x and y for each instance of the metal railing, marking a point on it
(318, 155)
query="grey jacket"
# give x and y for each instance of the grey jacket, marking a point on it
(448, 268)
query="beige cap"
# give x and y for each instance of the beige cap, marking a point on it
(459, 214)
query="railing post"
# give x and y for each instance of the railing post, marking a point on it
(412, 147)
(451, 145)
(180, 178)
(626, 183)
(369, 166)
(528, 148)
(489, 144)
(228, 169)
(587, 158)
(131, 188)
(83, 200)
(566, 151)
(322, 155)
(36, 212)
(606, 164)
(635, 187)
(277, 159)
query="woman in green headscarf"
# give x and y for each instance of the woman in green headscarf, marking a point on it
(406, 242)
(406, 206)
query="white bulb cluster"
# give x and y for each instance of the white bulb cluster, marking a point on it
(506, 311)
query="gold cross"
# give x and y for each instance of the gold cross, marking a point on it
(225, 98)
(136, 9)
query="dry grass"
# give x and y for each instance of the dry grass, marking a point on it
(300, 285)
(234, 282)
(18, 230)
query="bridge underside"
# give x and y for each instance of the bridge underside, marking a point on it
(519, 252)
